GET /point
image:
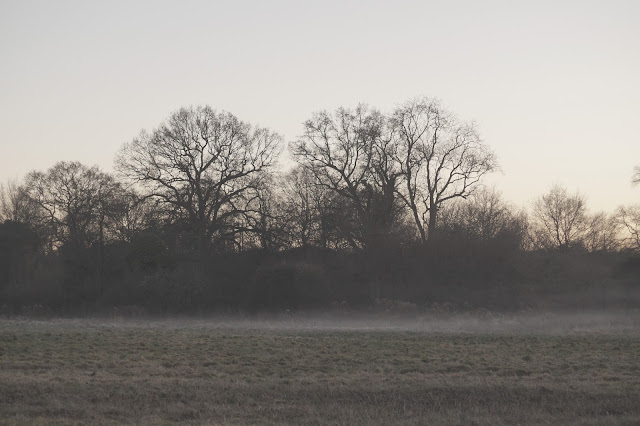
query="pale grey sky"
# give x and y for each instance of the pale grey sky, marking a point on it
(553, 85)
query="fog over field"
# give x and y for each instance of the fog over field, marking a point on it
(553, 323)
(602, 322)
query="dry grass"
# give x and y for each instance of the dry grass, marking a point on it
(196, 372)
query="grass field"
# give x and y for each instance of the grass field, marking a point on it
(118, 371)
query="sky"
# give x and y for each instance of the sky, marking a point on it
(554, 86)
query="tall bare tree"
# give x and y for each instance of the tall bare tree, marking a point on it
(602, 233)
(15, 204)
(267, 219)
(302, 204)
(315, 215)
(628, 219)
(440, 157)
(350, 154)
(206, 165)
(561, 219)
(73, 202)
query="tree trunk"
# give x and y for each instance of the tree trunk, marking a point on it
(433, 222)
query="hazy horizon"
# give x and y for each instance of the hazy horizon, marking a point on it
(553, 87)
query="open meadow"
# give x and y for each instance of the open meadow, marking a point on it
(369, 371)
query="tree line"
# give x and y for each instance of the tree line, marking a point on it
(199, 215)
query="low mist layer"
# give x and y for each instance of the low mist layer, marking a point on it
(484, 322)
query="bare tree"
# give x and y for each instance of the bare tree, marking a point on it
(601, 233)
(441, 159)
(73, 202)
(302, 200)
(315, 215)
(268, 219)
(561, 219)
(628, 219)
(15, 204)
(206, 165)
(485, 216)
(350, 153)
(635, 179)
(134, 213)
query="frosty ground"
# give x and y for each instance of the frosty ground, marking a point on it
(451, 369)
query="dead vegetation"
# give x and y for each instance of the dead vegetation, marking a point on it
(210, 372)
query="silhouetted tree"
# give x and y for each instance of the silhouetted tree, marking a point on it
(134, 213)
(350, 153)
(206, 166)
(315, 215)
(301, 198)
(485, 216)
(268, 219)
(561, 219)
(441, 159)
(76, 208)
(73, 202)
(15, 204)
(601, 233)
(628, 219)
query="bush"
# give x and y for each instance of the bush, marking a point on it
(289, 286)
